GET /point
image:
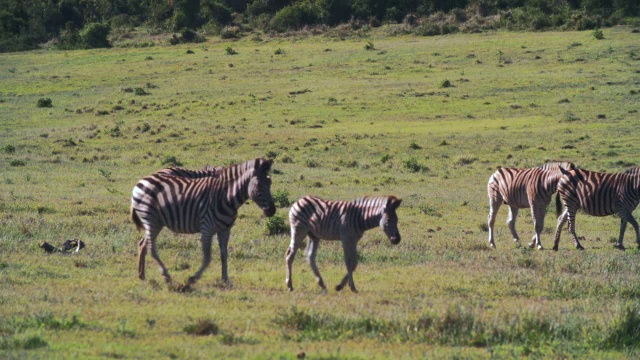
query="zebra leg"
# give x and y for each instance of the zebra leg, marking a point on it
(538, 223)
(351, 261)
(494, 206)
(150, 242)
(572, 228)
(205, 241)
(296, 238)
(142, 253)
(312, 251)
(223, 240)
(623, 227)
(562, 219)
(511, 221)
(625, 217)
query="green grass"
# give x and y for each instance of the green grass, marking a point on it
(341, 122)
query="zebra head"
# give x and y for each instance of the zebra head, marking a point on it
(389, 219)
(260, 187)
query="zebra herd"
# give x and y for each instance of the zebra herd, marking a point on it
(595, 193)
(207, 201)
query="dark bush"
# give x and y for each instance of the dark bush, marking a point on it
(215, 11)
(45, 102)
(296, 16)
(95, 35)
(276, 225)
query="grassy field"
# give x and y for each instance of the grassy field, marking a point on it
(425, 119)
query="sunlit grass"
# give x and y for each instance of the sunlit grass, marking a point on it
(341, 122)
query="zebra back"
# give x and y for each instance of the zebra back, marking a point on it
(598, 193)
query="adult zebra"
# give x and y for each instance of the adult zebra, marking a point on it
(190, 204)
(339, 220)
(523, 188)
(598, 194)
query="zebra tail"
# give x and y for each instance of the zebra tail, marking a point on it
(558, 205)
(136, 219)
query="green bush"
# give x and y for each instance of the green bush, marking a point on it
(95, 35)
(215, 11)
(45, 102)
(276, 225)
(296, 16)
(281, 198)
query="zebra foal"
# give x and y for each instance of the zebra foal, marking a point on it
(204, 202)
(345, 221)
(598, 194)
(523, 188)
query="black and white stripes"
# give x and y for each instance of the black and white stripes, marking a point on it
(598, 194)
(339, 220)
(204, 202)
(523, 188)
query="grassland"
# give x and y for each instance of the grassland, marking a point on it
(341, 122)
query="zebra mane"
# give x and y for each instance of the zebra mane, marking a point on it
(207, 171)
(233, 170)
(633, 171)
(556, 165)
(377, 201)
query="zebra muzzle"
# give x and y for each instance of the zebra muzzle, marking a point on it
(394, 239)
(270, 210)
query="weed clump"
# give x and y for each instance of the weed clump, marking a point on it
(276, 225)
(9, 149)
(412, 165)
(170, 161)
(202, 327)
(281, 198)
(446, 84)
(45, 103)
(598, 34)
(230, 51)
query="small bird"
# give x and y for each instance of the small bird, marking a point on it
(70, 244)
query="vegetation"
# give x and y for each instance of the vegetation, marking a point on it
(341, 122)
(73, 24)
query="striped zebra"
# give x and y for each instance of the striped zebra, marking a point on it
(188, 204)
(339, 220)
(598, 194)
(206, 171)
(523, 188)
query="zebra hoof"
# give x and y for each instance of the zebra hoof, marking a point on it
(493, 246)
(532, 245)
(339, 287)
(579, 247)
(555, 248)
(619, 247)
(540, 247)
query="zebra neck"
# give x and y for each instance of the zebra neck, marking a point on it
(370, 218)
(237, 189)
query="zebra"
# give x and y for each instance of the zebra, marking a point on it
(598, 194)
(189, 204)
(339, 220)
(206, 171)
(523, 188)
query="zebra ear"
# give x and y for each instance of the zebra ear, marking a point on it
(394, 202)
(266, 164)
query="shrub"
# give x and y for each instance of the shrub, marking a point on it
(598, 34)
(9, 149)
(230, 51)
(140, 91)
(276, 225)
(281, 198)
(202, 327)
(95, 35)
(412, 165)
(446, 84)
(369, 46)
(45, 102)
(414, 146)
(215, 11)
(16, 162)
(384, 158)
(296, 16)
(170, 161)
